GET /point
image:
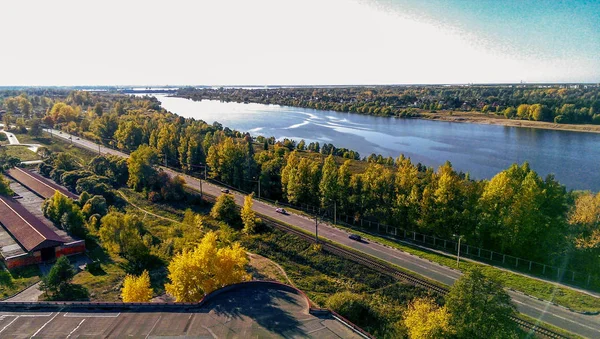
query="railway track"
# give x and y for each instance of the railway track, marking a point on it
(389, 270)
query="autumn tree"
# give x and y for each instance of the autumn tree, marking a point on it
(142, 168)
(122, 234)
(137, 288)
(329, 181)
(480, 308)
(4, 186)
(248, 215)
(208, 267)
(225, 209)
(584, 220)
(424, 319)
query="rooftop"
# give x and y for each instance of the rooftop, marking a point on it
(37, 183)
(30, 232)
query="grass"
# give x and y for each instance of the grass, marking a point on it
(57, 145)
(572, 299)
(21, 152)
(22, 278)
(103, 284)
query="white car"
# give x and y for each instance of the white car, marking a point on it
(281, 210)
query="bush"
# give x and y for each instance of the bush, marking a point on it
(353, 306)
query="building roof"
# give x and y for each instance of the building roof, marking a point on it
(37, 183)
(31, 233)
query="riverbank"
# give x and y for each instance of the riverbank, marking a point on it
(480, 118)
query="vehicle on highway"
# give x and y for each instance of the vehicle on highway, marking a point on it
(76, 138)
(355, 237)
(224, 190)
(281, 210)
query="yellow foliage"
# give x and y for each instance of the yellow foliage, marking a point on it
(248, 215)
(205, 269)
(137, 289)
(426, 320)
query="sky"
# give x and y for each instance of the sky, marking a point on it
(298, 42)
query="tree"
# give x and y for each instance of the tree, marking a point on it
(208, 267)
(142, 168)
(584, 220)
(4, 186)
(480, 308)
(122, 234)
(225, 209)
(60, 275)
(248, 215)
(424, 319)
(329, 181)
(137, 289)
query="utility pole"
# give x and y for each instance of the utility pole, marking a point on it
(334, 214)
(317, 228)
(98, 149)
(458, 252)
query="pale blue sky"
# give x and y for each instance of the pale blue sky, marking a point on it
(70, 42)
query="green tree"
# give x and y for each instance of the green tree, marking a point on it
(60, 276)
(225, 209)
(329, 182)
(142, 168)
(480, 308)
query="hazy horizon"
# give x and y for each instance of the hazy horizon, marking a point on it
(300, 43)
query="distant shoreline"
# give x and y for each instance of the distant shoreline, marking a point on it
(480, 118)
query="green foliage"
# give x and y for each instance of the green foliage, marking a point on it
(122, 234)
(60, 275)
(66, 213)
(5, 186)
(226, 210)
(480, 308)
(355, 307)
(142, 171)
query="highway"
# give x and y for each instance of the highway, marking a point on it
(583, 325)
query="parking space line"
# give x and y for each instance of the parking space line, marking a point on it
(47, 322)
(152, 329)
(15, 319)
(75, 329)
(84, 315)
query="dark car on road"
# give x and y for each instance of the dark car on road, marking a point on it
(355, 237)
(225, 190)
(281, 210)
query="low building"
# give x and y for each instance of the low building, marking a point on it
(38, 184)
(26, 240)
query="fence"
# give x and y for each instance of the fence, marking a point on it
(560, 274)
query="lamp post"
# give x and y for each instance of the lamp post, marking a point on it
(458, 252)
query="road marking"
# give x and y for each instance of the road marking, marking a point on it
(75, 329)
(47, 322)
(211, 332)
(90, 315)
(10, 323)
(544, 312)
(152, 329)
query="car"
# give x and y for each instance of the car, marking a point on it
(76, 138)
(281, 210)
(355, 237)
(225, 190)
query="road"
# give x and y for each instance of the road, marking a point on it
(584, 325)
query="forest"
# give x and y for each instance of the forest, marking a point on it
(564, 104)
(517, 212)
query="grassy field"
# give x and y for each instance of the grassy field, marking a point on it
(21, 152)
(21, 279)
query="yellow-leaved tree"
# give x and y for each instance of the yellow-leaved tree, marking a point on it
(424, 319)
(137, 289)
(248, 215)
(206, 268)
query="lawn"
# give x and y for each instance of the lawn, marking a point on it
(21, 152)
(21, 278)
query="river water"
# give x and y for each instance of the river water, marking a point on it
(481, 150)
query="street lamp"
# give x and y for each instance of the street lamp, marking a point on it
(458, 252)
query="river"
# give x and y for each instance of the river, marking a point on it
(482, 150)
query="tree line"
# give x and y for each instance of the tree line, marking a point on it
(517, 212)
(555, 103)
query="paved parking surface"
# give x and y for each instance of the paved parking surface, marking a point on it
(249, 312)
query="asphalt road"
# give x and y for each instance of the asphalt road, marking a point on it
(584, 325)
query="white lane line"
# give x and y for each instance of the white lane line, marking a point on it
(47, 322)
(90, 315)
(10, 323)
(152, 329)
(544, 312)
(75, 329)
